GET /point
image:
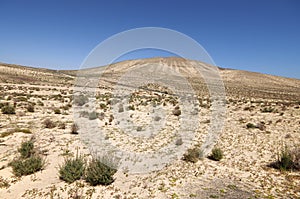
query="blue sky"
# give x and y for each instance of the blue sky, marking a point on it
(262, 36)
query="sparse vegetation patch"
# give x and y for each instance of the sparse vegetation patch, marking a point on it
(8, 109)
(72, 169)
(27, 166)
(29, 160)
(287, 160)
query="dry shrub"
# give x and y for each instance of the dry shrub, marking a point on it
(48, 123)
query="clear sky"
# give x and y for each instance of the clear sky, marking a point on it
(254, 35)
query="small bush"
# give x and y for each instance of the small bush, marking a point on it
(103, 106)
(40, 103)
(74, 128)
(62, 125)
(72, 169)
(30, 108)
(57, 111)
(131, 107)
(8, 110)
(267, 110)
(179, 142)
(27, 149)
(3, 183)
(99, 173)
(287, 160)
(49, 123)
(216, 154)
(157, 118)
(250, 126)
(28, 162)
(27, 166)
(80, 100)
(176, 111)
(192, 155)
(121, 108)
(93, 115)
(111, 118)
(261, 126)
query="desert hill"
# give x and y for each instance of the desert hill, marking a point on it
(16, 74)
(238, 83)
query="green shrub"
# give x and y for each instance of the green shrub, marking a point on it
(72, 169)
(57, 111)
(99, 173)
(8, 110)
(131, 107)
(28, 162)
(27, 149)
(27, 166)
(192, 155)
(250, 126)
(216, 154)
